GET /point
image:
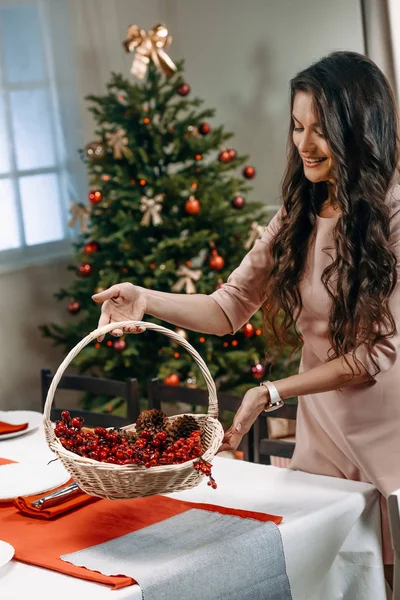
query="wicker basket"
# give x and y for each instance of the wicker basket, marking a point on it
(131, 481)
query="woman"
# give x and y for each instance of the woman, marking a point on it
(330, 260)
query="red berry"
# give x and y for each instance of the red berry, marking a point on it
(77, 422)
(141, 443)
(162, 436)
(153, 462)
(156, 443)
(69, 444)
(147, 465)
(94, 455)
(111, 460)
(65, 416)
(104, 453)
(129, 452)
(78, 439)
(146, 434)
(82, 450)
(100, 431)
(119, 454)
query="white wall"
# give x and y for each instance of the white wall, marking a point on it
(239, 58)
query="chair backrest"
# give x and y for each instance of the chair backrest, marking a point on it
(394, 521)
(264, 447)
(158, 393)
(128, 390)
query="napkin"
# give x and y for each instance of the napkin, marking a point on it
(8, 428)
(65, 504)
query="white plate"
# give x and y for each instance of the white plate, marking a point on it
(6, 553)
(17, 417)
(28, 478)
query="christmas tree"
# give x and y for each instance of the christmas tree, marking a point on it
(167, 210)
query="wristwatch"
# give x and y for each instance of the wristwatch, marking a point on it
(275, 401)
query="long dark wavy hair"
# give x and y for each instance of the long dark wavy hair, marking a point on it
(357, 114)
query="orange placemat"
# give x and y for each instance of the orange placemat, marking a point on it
(94, 524)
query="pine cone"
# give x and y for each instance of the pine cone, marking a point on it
(129, 435)
(182, 427)
(153, 420)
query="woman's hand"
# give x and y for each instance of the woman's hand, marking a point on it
(121, 302)
(252, 405)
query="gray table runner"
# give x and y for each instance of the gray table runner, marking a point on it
(196, 555)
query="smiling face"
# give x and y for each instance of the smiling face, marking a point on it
(309, 139)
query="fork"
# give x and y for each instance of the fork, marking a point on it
(70, 489)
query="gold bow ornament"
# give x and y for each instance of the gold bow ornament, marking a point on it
(119, 143)
(151, 208)
(79, 212)
(255, 233)
(148, 46)
(186, 280)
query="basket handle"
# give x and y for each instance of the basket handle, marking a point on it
(212, 392)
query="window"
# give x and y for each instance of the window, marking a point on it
(34, 169)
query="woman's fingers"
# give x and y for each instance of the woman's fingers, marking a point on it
(112, 292)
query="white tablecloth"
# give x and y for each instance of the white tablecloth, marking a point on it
(330, 531)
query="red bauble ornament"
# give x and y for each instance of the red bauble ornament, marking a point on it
(192, 206)
(232, 153)
(258, 371)
(95, 196)
(238, 202)
(216, 262)
(204, 128)
(74, 308)
(248, 330)
(172, 379)
(85, 270)
(184, 89)
(91, 247)
(120, 345)
(249, 172)
(224, 156)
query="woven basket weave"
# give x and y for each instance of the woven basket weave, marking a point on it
(131, 481)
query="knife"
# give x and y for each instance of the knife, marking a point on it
(70, 490)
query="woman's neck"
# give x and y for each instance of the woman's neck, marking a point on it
(330, 208)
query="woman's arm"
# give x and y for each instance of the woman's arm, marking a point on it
(197, 312)
(333, 375)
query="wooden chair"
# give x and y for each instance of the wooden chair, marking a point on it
(394, 521)
(158, 393)
(264, 447)
(103, 387)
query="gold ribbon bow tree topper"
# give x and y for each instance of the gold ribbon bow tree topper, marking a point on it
(186, 280)
(148, 46)
(151, 207)
(256, 232)
(81, 213)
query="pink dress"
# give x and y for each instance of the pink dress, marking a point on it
(353, 432)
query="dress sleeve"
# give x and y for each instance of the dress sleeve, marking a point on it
(241, 296)
(387, 351)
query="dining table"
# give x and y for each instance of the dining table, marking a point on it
(330, 531)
